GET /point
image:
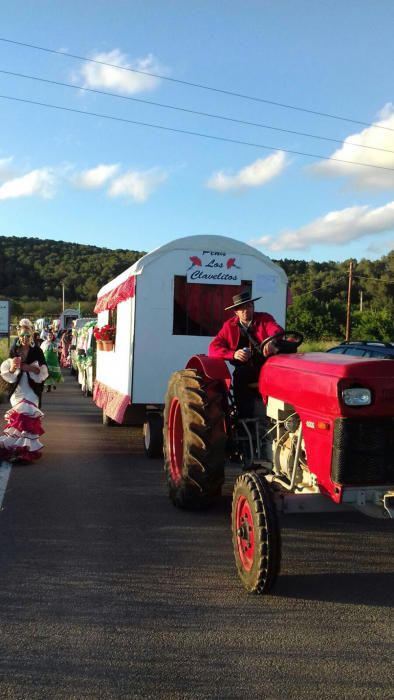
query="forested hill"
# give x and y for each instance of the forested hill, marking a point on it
(32, 272)
(329, 280)
(320, 296)
(34, 269)
(31, 268)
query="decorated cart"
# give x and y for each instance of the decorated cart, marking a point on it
(164, 308)
(83, 353)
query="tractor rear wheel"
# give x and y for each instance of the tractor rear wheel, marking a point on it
(194, 439)
(256, 534)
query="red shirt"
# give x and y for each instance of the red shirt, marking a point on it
(226, 342)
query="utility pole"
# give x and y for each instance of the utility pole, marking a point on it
(361, 301)
(349, 292)
(63, 294)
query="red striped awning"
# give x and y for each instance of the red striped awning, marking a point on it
(123, 291)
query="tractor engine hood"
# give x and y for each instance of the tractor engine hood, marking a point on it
(315, 381)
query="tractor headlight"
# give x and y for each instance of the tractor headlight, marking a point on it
(357, 396)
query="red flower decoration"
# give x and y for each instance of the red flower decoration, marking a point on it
(105, 332)
(196, 262)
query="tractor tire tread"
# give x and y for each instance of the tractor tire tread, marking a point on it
(267, 537)
(203, 440)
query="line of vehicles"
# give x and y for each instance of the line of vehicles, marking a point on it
(58, 325)
(321, 436)
(82, 353)
(322, 433)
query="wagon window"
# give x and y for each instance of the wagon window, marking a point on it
(199, 308)
(112, 316)
(112, 319)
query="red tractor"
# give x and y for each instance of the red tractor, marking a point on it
(322, 433)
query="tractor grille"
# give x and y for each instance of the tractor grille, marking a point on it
(363, 451)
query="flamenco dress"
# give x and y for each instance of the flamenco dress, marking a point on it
(20, 439)
(51, 357)
(65, 360)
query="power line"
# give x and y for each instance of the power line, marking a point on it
(196, 85)
(326, 284)
(188, 111)
(192, 133)
(375, 279)
(343, 274)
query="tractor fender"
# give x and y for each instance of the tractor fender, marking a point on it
(212, 368)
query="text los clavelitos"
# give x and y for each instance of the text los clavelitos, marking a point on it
(199, 274)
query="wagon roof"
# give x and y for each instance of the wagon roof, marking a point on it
(192, 243)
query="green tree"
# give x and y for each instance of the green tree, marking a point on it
(372, 325)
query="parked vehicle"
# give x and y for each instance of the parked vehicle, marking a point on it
(321, 436)
(166, 306)
(365, 348)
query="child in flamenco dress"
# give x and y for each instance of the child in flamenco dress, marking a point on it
(50, 350)
(24, 371)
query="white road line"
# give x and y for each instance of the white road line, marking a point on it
(5, 470)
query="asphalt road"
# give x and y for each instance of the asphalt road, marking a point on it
(108, 591)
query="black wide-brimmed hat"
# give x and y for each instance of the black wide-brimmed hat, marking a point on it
(240, 299)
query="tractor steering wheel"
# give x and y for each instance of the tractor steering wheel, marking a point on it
(291, 339)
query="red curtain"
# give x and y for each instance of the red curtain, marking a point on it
(199, 309)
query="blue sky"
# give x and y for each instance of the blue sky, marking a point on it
(74, 177)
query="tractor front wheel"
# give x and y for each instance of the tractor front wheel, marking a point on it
(194, 439)
(256, 534)
(153, 434)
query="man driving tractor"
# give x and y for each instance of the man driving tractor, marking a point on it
(238, 341)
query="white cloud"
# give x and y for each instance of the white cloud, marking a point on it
(39, 183)
(99, 76)
(381, 247)
(5, 169)
(137, 185)
(42, 182)
(253, 175)
(363, 178)
(95, 177)
(335, 228)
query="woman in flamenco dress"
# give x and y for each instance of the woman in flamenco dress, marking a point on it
(50, 349)
(24, 371)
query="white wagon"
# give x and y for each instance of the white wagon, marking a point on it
(166, 308)
(67, 317)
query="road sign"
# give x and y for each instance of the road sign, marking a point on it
(5, 309)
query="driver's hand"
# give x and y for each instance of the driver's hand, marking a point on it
(269, 349)
(242, 355)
